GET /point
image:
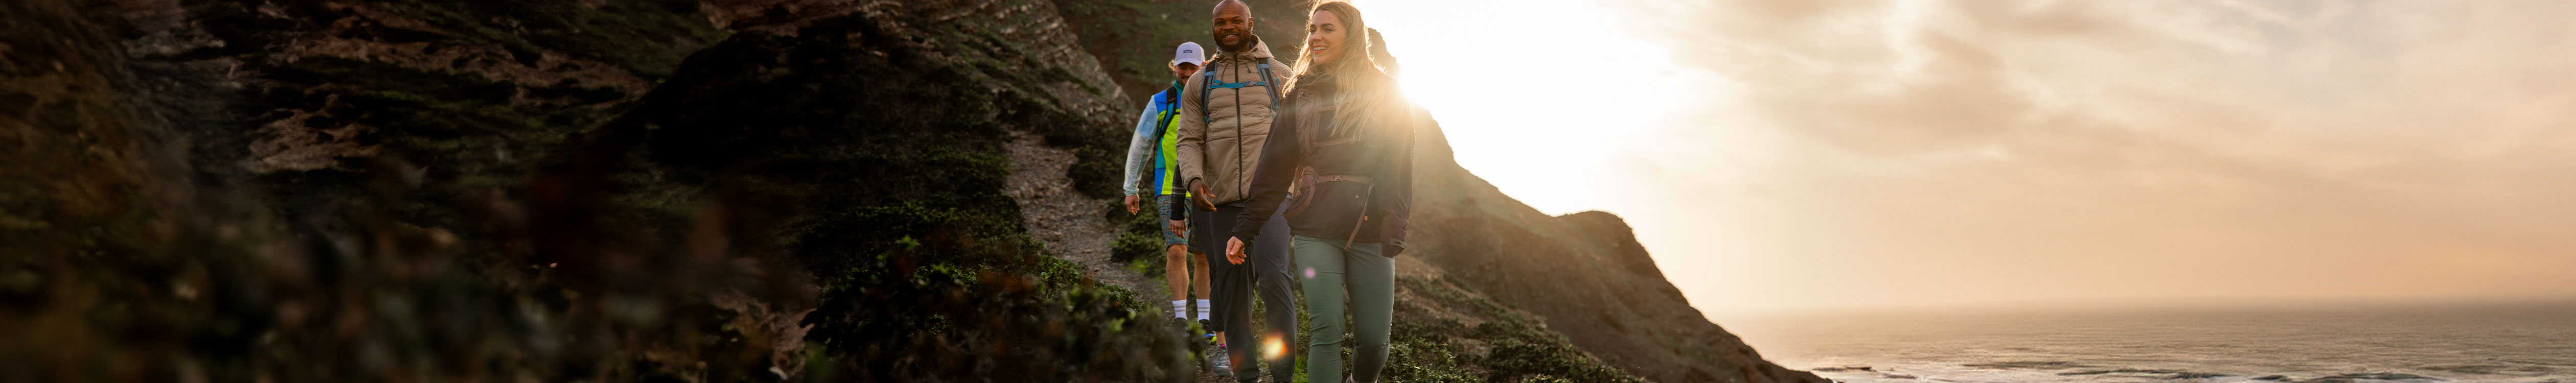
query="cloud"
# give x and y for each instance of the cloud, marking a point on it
(1959, 151)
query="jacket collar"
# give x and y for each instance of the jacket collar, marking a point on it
(1318, 84)
(1260, 51)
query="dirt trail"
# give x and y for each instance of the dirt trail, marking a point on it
(1070, 224)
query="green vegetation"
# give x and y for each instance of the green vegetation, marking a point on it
(1134, 38)
(776, 209)
(647, 37)
(891, 167)
(1507, 346)
(825, 207)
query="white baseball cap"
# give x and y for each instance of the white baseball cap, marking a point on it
(1189, 53)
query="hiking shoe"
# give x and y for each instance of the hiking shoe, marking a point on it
(1223, 366)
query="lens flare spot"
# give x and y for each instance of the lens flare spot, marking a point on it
(1273, 348)
(1310, 273)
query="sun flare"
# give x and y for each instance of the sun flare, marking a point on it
(1510, 79)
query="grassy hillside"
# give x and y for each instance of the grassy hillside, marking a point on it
(607, 190)
(1134, 39)
(879, 142)
(669, 190)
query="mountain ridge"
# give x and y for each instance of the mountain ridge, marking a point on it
(668, 190)
(1624, 310)
(1469, 234)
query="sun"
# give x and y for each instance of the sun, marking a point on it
(1528, 92)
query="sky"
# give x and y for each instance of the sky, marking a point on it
(1780, 156)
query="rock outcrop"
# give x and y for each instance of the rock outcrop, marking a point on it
(1582, 275)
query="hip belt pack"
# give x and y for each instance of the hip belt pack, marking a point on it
(1308, 180)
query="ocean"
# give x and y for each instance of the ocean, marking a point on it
(2490, 343)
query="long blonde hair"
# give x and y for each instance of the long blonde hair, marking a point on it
(1368, 95)
(1357, 69)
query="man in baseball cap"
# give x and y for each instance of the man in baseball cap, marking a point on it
(1188, 54)
(1150, 179)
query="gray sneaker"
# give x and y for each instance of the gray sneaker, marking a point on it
(1223, 366)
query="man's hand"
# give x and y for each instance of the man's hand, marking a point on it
(1131, 204)
(1179, 226)
(1199, 194)
(1234, 250)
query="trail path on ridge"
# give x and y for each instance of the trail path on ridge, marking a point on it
(1071, 225)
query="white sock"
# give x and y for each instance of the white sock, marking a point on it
(1181, 309)
(1204, 308)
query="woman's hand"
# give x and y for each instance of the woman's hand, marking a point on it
(1179, 226)
(1131, 204)
(1234, 250)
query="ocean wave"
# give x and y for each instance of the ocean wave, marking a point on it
(2158, 372)
(2519, 369)
(2353, 377)
(2057, 371)
(2029, 365)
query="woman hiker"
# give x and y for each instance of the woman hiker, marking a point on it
(1344, 145)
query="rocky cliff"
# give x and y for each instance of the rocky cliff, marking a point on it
(1584, 275)
(676, 190)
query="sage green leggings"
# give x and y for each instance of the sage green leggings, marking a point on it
(1327, 272)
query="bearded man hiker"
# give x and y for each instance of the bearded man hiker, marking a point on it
(1225, 125)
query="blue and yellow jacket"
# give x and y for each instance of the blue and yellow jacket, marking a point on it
(1152, 150)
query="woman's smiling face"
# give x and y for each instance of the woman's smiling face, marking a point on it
(1324, 34)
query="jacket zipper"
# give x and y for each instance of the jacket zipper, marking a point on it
(1365, 198)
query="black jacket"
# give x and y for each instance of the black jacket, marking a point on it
(1376, 211)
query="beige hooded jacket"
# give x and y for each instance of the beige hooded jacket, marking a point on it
(1221, 141)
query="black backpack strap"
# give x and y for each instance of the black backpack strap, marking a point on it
(1163, 120)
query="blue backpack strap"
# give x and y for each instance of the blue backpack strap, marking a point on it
(1209, 72)
(1267, 84)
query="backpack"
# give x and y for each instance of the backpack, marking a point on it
(1266, 83)
(1161, 123)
